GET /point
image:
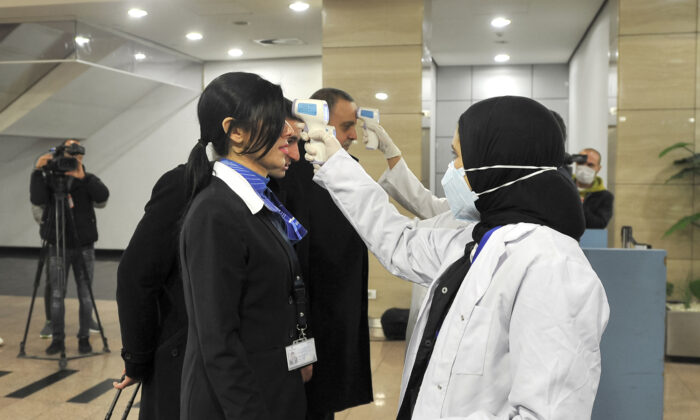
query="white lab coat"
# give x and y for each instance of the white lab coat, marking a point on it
(403, 186)
(521, 339)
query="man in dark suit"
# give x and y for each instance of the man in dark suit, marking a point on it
(150, 298)
(335, 265)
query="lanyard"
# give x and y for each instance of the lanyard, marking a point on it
(483, 241)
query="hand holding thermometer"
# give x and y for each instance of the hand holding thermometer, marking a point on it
(315, 115)
(369, 115)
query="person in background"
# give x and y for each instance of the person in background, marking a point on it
(335, 264)
(150, 298)
(85, 193)
(597, 200)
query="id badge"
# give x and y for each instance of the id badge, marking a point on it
(301, 353)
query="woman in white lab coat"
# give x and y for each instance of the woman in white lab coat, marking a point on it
(512, 322)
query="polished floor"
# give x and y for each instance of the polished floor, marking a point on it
(38, 389)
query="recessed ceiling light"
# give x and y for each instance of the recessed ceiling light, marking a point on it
(194, 36)
(381, 96)
(137, 13)
(500, 22)
(82, 41)
(501, 58)
(299, 6)
(235, 52)
(140, 56)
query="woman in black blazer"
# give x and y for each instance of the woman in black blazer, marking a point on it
(238, 265)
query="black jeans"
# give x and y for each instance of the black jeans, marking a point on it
(83, 280)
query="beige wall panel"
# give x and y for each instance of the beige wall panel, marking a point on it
(360, 23)
(364, 71)
(651, 210)
(392, 292)
(657, 72)
(405, 131)
(642, 135)
(678, 272)
(657, 16)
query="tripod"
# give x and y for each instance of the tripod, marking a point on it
(60, 184)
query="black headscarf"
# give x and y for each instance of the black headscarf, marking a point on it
(512, 130)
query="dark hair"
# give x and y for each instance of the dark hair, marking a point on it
(560, 123)
(331, 96)
(256, 106)
(289, 111)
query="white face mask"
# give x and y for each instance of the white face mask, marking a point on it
(584, 174)
(462, 199)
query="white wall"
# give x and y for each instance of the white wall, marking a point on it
(588, 91)
(458, 87)
(299, 77)
(132, 151)
(128, 154)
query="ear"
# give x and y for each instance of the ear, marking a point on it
(237, 134)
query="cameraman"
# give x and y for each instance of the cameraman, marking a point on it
(84, 191)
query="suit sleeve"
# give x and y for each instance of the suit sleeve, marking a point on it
(39, 192)
(145, 266)
(403, 186)
(213, 257)
(599, 212)
(96, 189)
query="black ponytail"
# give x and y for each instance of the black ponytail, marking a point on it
(255, 105)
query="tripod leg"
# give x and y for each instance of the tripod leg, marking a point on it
(114, 401)
(131, 401)
(37, 280)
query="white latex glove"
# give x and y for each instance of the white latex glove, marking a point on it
(321, 147)
(386, 145)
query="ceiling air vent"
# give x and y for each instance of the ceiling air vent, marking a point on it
(280, 41)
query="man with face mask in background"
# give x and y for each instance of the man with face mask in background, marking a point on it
(597, 201)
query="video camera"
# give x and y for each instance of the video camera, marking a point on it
(60, 163)
(571, 159)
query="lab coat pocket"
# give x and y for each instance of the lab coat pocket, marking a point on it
(472, 347)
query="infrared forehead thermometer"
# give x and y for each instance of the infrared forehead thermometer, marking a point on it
(369, 115)
(314, 113)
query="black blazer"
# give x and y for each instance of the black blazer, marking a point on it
(335, 265)
(598, 209)
(84, 194)
(151, 304)
(237, 275)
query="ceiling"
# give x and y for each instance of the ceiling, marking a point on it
(542, 31)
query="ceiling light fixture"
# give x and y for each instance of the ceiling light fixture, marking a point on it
(500, 22)
(299, 6)
(501, 58)
(235, 52)
(82, 41)
(140, 56)
(381, 96)
(137, 13)
(194, 36)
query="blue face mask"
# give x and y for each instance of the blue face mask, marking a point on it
(462, 199)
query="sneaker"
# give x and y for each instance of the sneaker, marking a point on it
(94, 328)
(56, 346)
(47, 331)
(84, 345)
